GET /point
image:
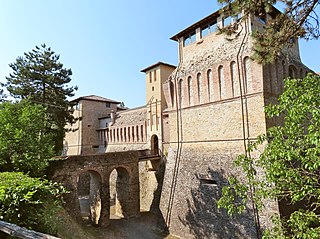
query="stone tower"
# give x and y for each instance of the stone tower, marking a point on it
(216, 98)
(83, 137)
(155, 102)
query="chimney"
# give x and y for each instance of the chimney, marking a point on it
(113, 117)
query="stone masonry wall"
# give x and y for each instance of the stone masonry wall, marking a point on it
(194, 212)
(223, 105)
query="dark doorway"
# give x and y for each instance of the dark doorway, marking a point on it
(154, 145)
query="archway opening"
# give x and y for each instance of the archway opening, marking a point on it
(119, 193)
(89, 196)
(154, 145)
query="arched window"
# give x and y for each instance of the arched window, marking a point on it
(181, 93)
(121, 135)
(132, 132)
(200, 88)
(234, 79)
(247, 75)
(284, 70)
(172, 93)
(137, 133)
(292, 71)
(222, 88)
(141, 131)
(301, 73)
(129, 134)
(210, 85)
(190, 91)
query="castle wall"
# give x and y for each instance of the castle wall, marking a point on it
(212, 137)
(128, 131)
(217, 98)
(72, 140)
(194, 213)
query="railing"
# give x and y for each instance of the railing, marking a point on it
(20, 232)
(147, 153)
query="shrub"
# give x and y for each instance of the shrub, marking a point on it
(25, 200)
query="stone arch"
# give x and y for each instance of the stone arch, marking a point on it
(222, 88)
(172, 93)
(89, 190)
(181, 93)
(292, 71)
(234, 79)
(284, 69)
(200, 88)
(119, 188)
(247, 75)
(133, 134)
(154, 144)
(190, 91)
(210, 85)
(141, 132)
(302, 73)
(137, 133)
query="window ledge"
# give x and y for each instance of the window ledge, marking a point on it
(200, 41)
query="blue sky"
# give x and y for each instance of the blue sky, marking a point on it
(106, 43)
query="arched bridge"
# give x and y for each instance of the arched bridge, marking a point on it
(98, 169)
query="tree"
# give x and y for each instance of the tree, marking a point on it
(40, 77)
(288, 169)
(23, 145)
(1, 95)
(299, 19)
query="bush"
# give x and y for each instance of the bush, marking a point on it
(25, 201)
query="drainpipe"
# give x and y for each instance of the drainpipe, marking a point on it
(243, 105)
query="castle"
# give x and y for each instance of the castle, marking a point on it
(198, 117)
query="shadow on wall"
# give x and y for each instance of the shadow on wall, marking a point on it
(205, 220)
(154, 208)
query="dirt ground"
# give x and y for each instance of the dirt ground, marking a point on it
(144, 227)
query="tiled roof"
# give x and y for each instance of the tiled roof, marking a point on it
(157, 64)
(130, 117)
(95, 98)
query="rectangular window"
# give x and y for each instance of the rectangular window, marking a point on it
(210, 28)
(191, 38)
(213, 27)
(155, 75)
(231, 19)
(227, 21)
(205, 31)
(108, 104)
(77, 106)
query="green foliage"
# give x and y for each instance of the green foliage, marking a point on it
(2, 96)
(289, 165)
(27, 201)
(301, 225)
(40, 77)
(299, 19)
(23, 144)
